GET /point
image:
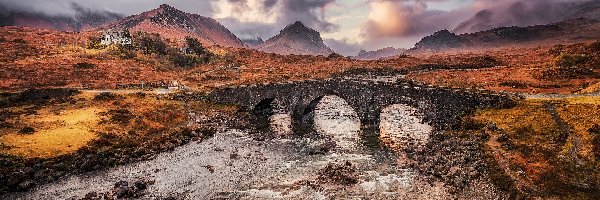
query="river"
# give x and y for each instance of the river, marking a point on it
(231, 165)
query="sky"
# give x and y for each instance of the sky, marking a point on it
(347, 26)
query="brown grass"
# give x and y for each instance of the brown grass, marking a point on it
(531, 70)
(56, 134)
(528, 147)
(64, 128)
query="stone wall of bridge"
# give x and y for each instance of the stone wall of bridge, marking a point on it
(441, 107)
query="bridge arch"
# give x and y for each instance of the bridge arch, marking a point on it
(303, 111)
(264, 107)
(330, 116)
(272, 116)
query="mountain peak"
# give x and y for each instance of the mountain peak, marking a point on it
(296, 38)
(300, 31)
(298, 24)
(362, 51)
(443, 32)
(297, 27)
(165, 6)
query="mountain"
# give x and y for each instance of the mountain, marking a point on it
(443, 39)
(481, 21)
(253, 43)
(568, 31)
(590, 10)
(379, 54)
(564, 32)
(82, 19)
(296, 39)
(175, 25)
(527, 13)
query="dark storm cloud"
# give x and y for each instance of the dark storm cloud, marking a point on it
(309, 12)
(44, 7)
(130, 7)
(269, 3)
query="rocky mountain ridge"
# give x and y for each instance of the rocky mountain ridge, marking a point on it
(387, 52)
(568, 31)
(296, 39)
(525, 13)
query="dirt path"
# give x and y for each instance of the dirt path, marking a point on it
(566, 133)
(565, 130)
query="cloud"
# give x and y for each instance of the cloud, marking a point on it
(44, 7)
(250, 30)
(310, 12)
(245, 18)
(403, 18)
(343, 46)
(345, 24)
(129, 7)
(265, 18)
(522, 13)
(247, 10)
(400, 20)
(348, 48)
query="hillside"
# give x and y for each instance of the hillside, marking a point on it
(37, 58)
(175, 25)
(564, 32)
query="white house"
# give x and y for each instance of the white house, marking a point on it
(116, 37)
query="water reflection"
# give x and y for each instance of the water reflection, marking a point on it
(335, 118)
(402, 127)
(281, 123)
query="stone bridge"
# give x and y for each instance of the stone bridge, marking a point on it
(441, 107)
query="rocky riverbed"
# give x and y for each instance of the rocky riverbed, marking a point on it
(344, 162)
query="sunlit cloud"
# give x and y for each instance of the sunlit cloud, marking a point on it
(247, 11)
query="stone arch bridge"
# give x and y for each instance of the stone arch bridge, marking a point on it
(441, 107)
